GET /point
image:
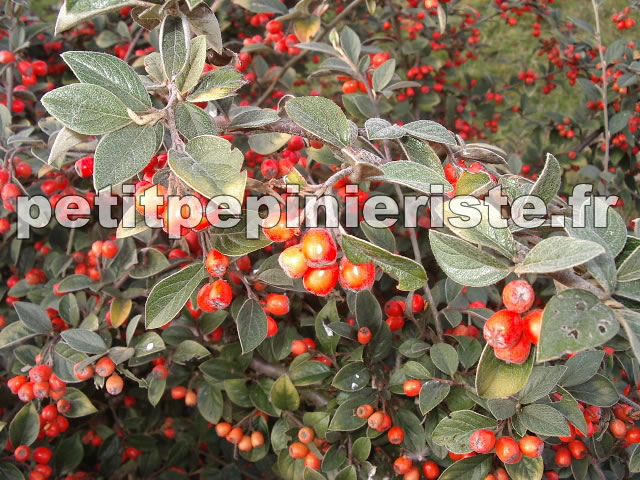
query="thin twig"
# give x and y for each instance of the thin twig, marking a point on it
(605, 100)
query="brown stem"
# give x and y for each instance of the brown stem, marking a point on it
(605, 100)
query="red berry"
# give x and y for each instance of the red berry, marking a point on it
(503, 329)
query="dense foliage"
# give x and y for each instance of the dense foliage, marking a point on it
(134, 345)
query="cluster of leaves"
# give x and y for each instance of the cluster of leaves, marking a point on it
(176, 100)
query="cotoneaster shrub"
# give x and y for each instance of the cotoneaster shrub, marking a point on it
(355, 351)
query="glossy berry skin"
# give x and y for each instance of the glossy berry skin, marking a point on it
(109, 249)
(223, 429)
(220, 294)
(114, 384)
(321, 281)
(312, 462)
(83, 373)
(22, 453)
(563, 457)
(272, 327)
(364, 411)
(577, 449)
(633, 435)
(503, 329)
(277, 304)
(618, 428)
(402, 465)
(306, 434)
(42, 455)
(6, 57)
(364, 335)
(84, 167)
(319, 248)
(376, 419)
(430, 470)
(412, 388)
(517, 354)
(275, 228)
(482, 441)
(356, 277)
(508, 450)
(395, 435)
(531, 446)
(532, 323)
(216, 263)
(518, 296)
(293, 262)
(298, 450)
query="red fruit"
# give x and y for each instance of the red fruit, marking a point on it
(84, 167)
(109, 249)
(394, 308)
(482, 441)
(396, 435)
(417, 303)
(298, 347)
(532, 323)
(40, 373)
(577, 449)
(364, 411)
(223, 429)
(105, 367)
(24, 67)
(412, 388)
(216, 263)
(319, 248)
(277, 304)
(306, 434)
(5, 226)
(633, 435)
(431, 470)
(364, 335)
(563, 457)
(376, 420)
(508, 450)
(503, 329)
(42, 455)
(29, 79)
(114, 384)
(518, 296)
(269, 168)
(274, 26)
(531, 446)
(272, 326)
(41, 390)
(293, 262)
(298, 450)
(312, 462)
(395, 323)
(402, 465)
(22, 453)
(23, 170)
(14, 383)
(618, 428)
(83, 373)
(321, 281)
(296, 143)
(6, 57)
(39, 67)
(517, 354)
(278, 232)
(63, 406)
(220, 294)
(356, 277)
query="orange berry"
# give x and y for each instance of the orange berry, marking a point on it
(356, 277)
(319, 248)
(292, 262)
(532, 325)
(321, 281)
(503, 329)
(482, 441)
(396, 435)
(531, 446)
(518, 296)
(223, 429)
(402, 465)
(114, 384)
(508, 450)
(306, 434)
(412, 388)
(235, 435)
(257, 439)
(105, 367)
(364, 411)
(298, 450)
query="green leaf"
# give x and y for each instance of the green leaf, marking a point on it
(68, 454)
(502, 408)
(344, 420)
(84, 341)
(192, 71)
(111, 73)
(379, 235)
(611, 231)
(211, 166)
(630, 322)
(544, 420)
(219, 83)
(475, 184)
(326, 339)
(156, 389)
(308, 372)
(472, 468)
(71, 15)
(171, 294)
(321, 117)
(574, 320)
(204, 22)
(569, 407)
(634, 461)
(268, 143)
(188, 350)
(284, 394)
(629, 270)
(25, 426)
(153, 67)
(598, 391)
(262, 6)
(254, 118)
(383, 75)
(484, 233)
(464, 263)
(174, 45)
(410, 274)
(192, 121)
(81, 406)
(454, 431)
(582, 367)
(361, 448)
(548, 183)
(498, 379)
(413, 175)
(541, 382)
(233, 240)
(14, 333)
(351, 44)
(380, 129)
(444, 357)
(526, 469)
(432, 394)
(64, 141)
(421, 152)
(74, 283)
(414, 435)
(87, 109)
(33, 317)
(352, 377)
(122, 154)
(252, 325)
(558, 253)
(430, 131)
